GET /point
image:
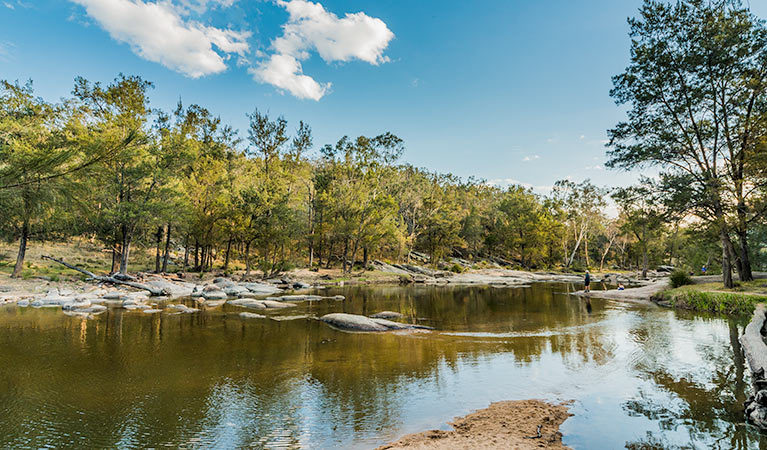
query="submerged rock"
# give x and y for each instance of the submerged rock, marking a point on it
(247, 315)
(352, 322)
(400, 326)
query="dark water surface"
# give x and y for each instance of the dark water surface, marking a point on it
(640, 376)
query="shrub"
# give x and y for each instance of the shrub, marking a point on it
(680, 278)
(456, 268)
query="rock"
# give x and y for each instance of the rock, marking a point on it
(23, 303)
(352, 322)
(386, 315)
(219, 280)
(114, 296)
(178, 289)
(214, 303)
(152, 311)
(214, 295)
(261, 289)
(296, 298)
(247, 303)
(271, 304)
(211, 288)
(301, 285)
(77, 305)
(234, 290)
(247, 315)
(247, 294)
(400, 326)
(133, 307)
(286, 318)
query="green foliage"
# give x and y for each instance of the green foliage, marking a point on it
(720, 302)
(680, 278)
(456, 268)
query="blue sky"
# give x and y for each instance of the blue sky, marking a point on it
(505, 90)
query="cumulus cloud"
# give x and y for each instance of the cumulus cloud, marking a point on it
(158, 32)
(531, 158)
(311, 28)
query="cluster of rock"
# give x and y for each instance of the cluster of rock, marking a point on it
(89, 300)
(374, 323)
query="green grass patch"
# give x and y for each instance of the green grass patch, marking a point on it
(714, 297)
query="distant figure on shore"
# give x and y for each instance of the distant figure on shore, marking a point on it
(621, 287)
(703, 269)
(587, 282)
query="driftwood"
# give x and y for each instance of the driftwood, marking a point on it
(755, 350)
(110, 279)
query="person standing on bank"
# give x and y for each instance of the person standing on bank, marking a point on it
(587, 282)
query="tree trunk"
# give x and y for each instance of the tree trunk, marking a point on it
(22, 250)
(346, 254)
(196, 254)
(726, 262)
(365, 257)
(186, 251)
(158, 242)
(247, 258)
(228, 250)
(167, 250)
(745, 273)
(644, 251)
(125, 254)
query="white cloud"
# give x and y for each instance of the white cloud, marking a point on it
(156, 31)
(8, 5)
(285, 72)
(530, 158)
(311, 28)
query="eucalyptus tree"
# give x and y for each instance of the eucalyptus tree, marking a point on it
(643, 216)
(37, 154)
(583, 204)
(696, 89)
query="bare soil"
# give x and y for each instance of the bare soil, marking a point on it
(502, 425)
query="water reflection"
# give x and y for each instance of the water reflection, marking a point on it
(642, 377)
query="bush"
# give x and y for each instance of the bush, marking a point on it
(456, 268)
(680, 278)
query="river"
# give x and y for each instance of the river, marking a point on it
(639, 376)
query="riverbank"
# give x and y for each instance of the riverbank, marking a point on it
(522, 425)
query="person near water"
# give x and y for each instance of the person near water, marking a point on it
(703, 269)
(587, 282)
(621, 287)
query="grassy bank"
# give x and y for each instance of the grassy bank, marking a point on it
(715, 298)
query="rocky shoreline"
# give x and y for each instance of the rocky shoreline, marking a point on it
(153, 293)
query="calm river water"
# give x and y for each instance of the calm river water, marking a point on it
(639, 376)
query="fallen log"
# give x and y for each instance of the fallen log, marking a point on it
(755, 350)
(152, 291)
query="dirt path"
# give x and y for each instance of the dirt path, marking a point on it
(502, 425)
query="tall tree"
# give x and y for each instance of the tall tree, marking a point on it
(696, 87)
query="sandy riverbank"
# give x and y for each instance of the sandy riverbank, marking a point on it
(502, 425)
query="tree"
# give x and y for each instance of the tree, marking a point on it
(583, 203)
(641, 214)
(696, 87)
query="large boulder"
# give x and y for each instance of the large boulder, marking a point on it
(352, 322)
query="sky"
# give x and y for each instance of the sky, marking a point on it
(509, 91)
